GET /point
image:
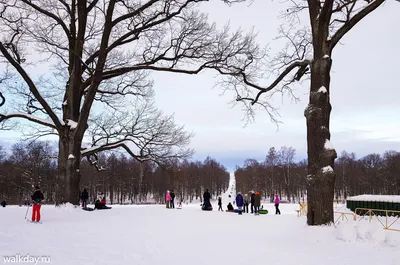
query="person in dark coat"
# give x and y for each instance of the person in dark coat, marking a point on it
(220, 204)
(246, 203)
(206, 198)
(257, 203)
(172, 204)
(252, 201)
(239, 202)
(230, 207)
(37, 198)
(3, 203)
(84, 198)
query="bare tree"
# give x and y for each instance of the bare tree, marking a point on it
(308, 53)
(102, 52)
(286, 157)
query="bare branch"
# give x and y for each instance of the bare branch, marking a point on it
(2, 99)
(25, 116)
(31, 85)
(354, 20)
(51, 15)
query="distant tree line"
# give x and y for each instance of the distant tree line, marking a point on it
(279, 173)
(123, 180)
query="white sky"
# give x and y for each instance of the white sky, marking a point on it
(364, 93)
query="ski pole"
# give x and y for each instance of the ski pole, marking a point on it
(27, 211)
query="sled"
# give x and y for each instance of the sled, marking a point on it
(207, 208)
(263, 212)
(103, 208)
(88, 209)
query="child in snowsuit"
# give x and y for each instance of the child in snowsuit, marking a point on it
(103, 201)
(230, 207)
(219, 204)
(277, 204)
(239, 202)
(37, 198)
(168, 199)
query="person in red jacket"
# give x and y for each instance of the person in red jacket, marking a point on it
(103, 201)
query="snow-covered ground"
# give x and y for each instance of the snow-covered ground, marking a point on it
(154, 235)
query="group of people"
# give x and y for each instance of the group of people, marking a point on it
(252, 198)
(170, 199)
(98, 204)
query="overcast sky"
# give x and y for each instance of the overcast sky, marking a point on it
(365, 93)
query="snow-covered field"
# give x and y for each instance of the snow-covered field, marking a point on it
(154, 235)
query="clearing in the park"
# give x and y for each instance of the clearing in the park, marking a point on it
(153, 235)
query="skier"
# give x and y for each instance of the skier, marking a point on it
(277, 204)
(252, 200)
(239, 202)
(172, 199)
(257, 203)
(220, 204)
(84, 198)
(37, 198)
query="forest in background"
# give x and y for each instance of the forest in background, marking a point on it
(124, 179)
(279, 173)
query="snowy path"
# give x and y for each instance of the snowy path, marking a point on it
(153, 235)
(231, 191)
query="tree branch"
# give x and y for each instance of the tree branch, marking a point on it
(300, 64)
(31, 118)
(354, 20)
(31, 86)
(2, 99)
(51, 15)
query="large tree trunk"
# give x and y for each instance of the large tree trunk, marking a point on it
(321, 156)
(69, 175)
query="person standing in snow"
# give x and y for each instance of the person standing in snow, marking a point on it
(207, 198)
(168, 199)
(252, 201)
(37, 198)
(239, 202)
(246, 204)
(257, 202)
(172, 204)
(220, 204)
(277, 204)
(84, 198)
